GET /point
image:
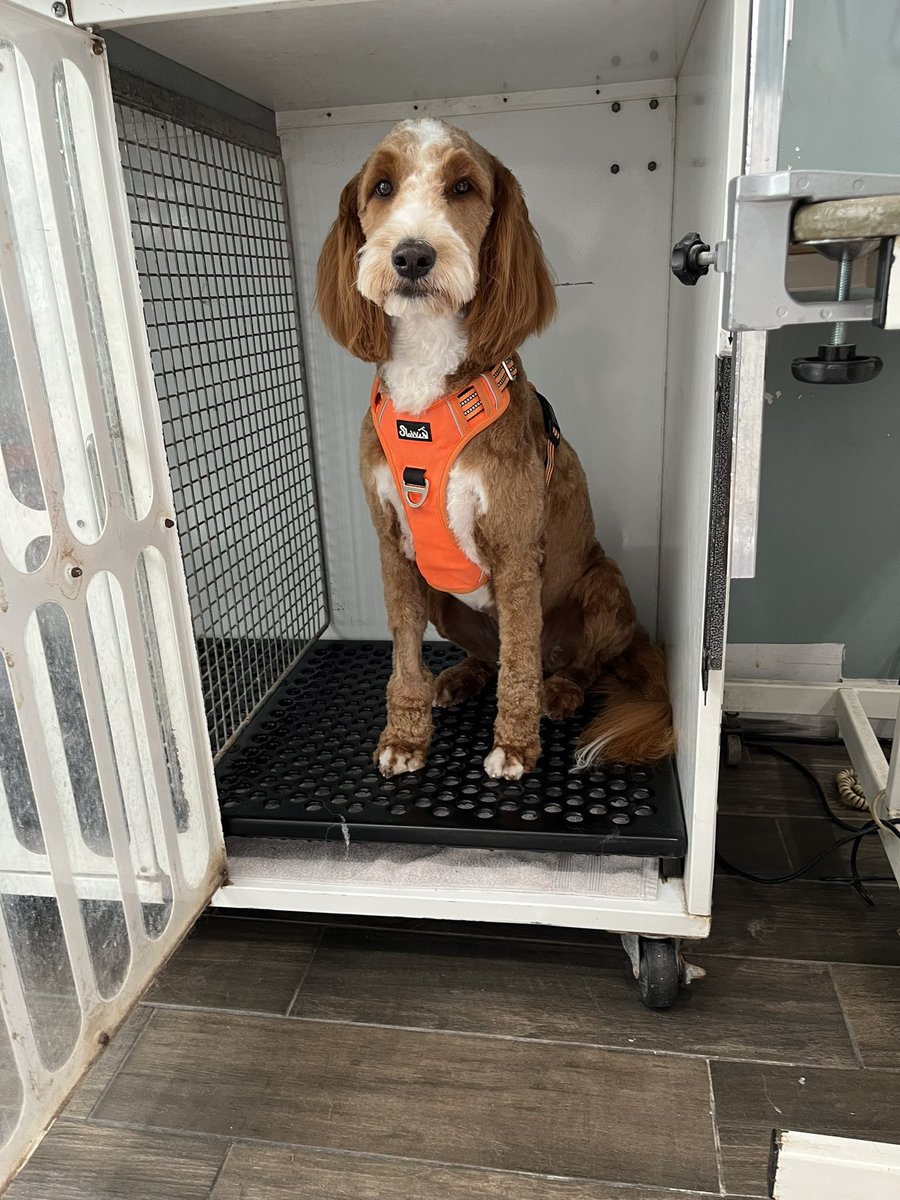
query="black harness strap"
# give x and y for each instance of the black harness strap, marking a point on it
(553, 432)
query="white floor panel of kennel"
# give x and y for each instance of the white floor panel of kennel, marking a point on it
(451, 883)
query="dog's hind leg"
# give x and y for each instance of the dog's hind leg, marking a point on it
(462, 681)
(563, 692)
(591, 627)
(635, 724)
(476, 633)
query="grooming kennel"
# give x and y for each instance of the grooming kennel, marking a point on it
(186, 502)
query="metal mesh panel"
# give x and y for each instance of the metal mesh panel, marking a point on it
(214, 259)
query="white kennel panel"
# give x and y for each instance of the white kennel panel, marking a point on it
(109, 835)
(290, 54)
(709, 151)
(597, 175)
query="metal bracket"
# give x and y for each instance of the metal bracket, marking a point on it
(754, 256)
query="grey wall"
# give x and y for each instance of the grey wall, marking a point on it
(829, 532)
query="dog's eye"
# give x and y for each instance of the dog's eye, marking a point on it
(462, 187)
(383, 187)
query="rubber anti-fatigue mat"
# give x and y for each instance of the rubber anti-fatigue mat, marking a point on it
(303, 768)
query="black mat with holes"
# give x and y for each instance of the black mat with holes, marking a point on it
(304, 766)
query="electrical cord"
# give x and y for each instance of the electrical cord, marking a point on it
(804, 770)
(856, 835)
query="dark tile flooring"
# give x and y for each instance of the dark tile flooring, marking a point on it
(301, 1059)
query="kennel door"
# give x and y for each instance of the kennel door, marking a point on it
(110, 841)
(722, 104)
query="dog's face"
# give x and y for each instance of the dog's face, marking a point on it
(433, 223)
(425, 200)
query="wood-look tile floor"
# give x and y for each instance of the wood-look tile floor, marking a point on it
(301, 1059)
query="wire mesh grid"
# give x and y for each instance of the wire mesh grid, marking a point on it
(214, 257)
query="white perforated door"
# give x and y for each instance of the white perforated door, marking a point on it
(109, 836)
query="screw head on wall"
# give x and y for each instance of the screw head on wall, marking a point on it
(59, 9)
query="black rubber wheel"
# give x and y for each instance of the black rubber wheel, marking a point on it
(659, 977)
(734, 749)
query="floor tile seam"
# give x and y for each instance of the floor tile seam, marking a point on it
(521, 1039)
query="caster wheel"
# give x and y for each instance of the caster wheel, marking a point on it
(659, 974)
(734, 749)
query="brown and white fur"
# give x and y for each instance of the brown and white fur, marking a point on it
(555, 617)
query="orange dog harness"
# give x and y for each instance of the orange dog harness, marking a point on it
(421, 452)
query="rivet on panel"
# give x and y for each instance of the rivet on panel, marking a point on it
(654, 103)
(97, 47)
(781, 311)
(76, 572)
(59, 9)
(616, 60)
(651, 166)
(169, 523)
(614, 169)
(617, 107)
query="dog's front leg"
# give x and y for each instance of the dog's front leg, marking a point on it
(517, 743)
(410, 692)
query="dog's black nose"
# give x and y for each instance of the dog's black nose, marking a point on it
(413, 258)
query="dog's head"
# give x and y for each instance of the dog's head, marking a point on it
(433, 223)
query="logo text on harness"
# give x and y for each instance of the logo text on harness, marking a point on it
(416, 431)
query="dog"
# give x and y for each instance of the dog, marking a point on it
(433, 272)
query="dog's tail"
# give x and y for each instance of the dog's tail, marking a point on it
(635, 724)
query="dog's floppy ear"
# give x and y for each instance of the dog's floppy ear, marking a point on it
(515, 296)
(349, 317)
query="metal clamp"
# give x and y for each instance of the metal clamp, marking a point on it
(762, 211)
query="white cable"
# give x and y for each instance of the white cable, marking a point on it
(851, 793)
(850, 789)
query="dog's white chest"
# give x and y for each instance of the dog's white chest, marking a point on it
(466, 501)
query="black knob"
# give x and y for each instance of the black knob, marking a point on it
(686, 264)
(836, 364)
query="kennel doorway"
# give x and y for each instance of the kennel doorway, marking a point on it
(668, 114)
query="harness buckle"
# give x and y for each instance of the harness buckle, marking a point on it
(415, 486)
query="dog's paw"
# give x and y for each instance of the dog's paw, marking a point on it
(560, 698)
(398, 760)
(458, 683)
(506, 763)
